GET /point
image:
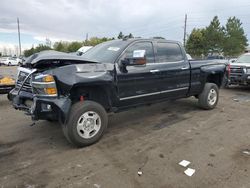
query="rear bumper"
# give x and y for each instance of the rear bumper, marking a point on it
(41, 108)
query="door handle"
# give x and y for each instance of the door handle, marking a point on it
(184, 68)
(154, 70)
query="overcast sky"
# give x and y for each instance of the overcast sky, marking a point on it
(72, 19)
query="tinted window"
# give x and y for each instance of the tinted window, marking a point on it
(147, 46)
(169, 52)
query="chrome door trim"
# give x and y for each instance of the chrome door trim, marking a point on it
(154, 93)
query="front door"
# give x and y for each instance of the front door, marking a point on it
(138, 81)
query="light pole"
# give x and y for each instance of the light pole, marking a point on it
(19, 38)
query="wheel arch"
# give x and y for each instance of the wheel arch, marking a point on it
(98, 93)
(216, 78)
(214, 74)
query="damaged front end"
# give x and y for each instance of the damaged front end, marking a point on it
(44, 86)
(36, 93)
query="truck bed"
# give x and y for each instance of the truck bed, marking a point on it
(199, 63)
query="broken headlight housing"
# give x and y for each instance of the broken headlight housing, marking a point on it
(44, 85)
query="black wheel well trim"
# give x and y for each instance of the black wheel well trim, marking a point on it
(101, 94)
(215, 77)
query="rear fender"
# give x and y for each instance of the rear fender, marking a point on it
(213, 74)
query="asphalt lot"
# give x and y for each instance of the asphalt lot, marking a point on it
(151, 139)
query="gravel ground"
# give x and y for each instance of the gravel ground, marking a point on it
(151, 139)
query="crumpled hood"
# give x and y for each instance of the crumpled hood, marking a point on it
(51, 55)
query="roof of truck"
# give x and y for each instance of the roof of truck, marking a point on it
(55, 55)
(152, 39)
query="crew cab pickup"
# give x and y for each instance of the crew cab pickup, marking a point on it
(79, 91)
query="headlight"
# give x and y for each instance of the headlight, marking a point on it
(44, 85)
(248, 71)
(48, 78)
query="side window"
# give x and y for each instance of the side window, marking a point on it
(169, 52)
(147, 46)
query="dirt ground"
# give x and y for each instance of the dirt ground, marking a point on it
(151, 139)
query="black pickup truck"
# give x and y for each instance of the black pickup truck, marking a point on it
(79, 91)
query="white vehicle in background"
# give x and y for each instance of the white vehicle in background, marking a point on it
(83, 50)
(189, 57)
(11, 61)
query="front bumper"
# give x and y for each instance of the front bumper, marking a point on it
(240, 80)
(41, 108)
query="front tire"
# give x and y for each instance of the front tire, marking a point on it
(86, 124)
(209, 97)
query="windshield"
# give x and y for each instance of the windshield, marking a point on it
(106, 52)
(244, 59)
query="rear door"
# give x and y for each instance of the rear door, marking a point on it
(174, 68)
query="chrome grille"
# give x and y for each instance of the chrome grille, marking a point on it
(27, 85)
(236, 71)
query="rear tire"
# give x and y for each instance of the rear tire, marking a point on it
(86, 124)
(209, 97)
